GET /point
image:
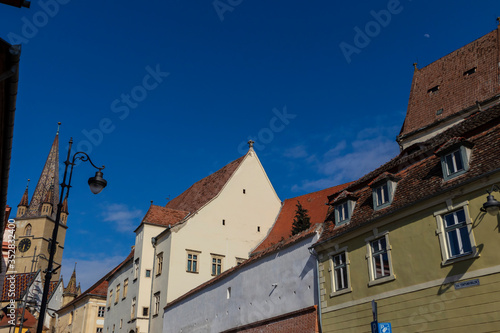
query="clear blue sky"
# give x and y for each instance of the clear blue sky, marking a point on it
(231, 70)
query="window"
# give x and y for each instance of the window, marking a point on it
(113, 331)
(27, 230)
(145, 311)
(117, 296)
(136, 269)
(217, 264)
(156, 309)
(379, 258)
(121, 323)
(159, 263)
(192, 261)
(125, 288)
(455, 233)
(239, 261)
(100, 312)
(148, 273)
(110, 299)
(132, 309)
(343, 211)
(339, 268)
(70, 318)
(455, 160)
(99, 330)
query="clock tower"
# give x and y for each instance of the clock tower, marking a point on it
(35, 221)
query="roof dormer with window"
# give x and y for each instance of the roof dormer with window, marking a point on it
(455, 156)
(344, 206)
(383, 189)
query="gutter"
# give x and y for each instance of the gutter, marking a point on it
(11, 85)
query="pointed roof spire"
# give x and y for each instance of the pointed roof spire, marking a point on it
(49, 177)
(49, 197)
(25, 199)
(71, 288)
(65, 205)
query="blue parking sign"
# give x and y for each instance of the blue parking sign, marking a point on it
(384, 328)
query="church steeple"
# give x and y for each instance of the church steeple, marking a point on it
(47, 184)
(23, 205)
(72, 290)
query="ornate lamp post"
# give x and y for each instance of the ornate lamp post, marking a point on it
(97, 184)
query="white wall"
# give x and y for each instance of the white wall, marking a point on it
(253, 296)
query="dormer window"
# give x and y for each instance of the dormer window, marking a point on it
(344, 206)
(383, 187)
(455, 157)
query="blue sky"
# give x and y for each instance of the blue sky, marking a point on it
(166, 92)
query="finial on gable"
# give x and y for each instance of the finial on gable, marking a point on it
(415, 68)
(58, 126)
(250, 144)
(28, 183)
(498, 20)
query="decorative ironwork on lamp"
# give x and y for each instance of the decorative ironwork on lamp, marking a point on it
(491, 206)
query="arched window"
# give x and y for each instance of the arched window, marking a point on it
(27, 230)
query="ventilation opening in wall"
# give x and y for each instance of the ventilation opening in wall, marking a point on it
(470, 71)
(438, 112)
(258, 229)
(433, 90)
(244, 191)
(223, 222)
(228, 292)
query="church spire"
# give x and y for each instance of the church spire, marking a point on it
(48, 179)
(23, 205)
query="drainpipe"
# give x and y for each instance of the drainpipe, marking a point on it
(313, 252)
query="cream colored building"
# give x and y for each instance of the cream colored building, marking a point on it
(206, 230)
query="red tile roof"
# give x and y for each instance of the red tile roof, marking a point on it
(100, 288)
(315, 203)
(20, 282)
(456, 90)
(163, 216)
(421, 174)
(29, 320)
(204, 190)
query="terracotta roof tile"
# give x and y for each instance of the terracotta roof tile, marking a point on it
(444, 85)
(21, 282)
(204, 190)
(163, 216)
(421, 174)
(314, 202)
(29, 320)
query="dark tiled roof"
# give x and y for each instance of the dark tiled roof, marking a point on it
(421, 174)
(204, 190)
(268, 251)
(455, 90)
(383, 177)
(343, 196)
(315, 203)
(100, 288)
(20, 283)
(163, 216)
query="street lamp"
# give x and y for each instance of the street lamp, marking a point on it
(492, 206)
(97, 184)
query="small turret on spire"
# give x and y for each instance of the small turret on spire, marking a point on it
(64, 210)
(23, 205)
(47, 204)
(58, 126)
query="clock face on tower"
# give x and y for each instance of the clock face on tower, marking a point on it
(24, 245)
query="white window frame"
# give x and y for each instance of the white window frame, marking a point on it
(159, 263)
(332, 268)
(391, 188)
(369, 257)
(156, 309)
(117, 295)
(136, 269)
(133, 308)
(464, 154)
(100, 311)
(443, 239)
(125, 288)
(341, 209)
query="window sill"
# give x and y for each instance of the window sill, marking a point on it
(453, 260)
(192, 272)
(155, 315)
(341, 292)
(382, 280)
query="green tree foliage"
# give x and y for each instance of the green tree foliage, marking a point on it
(301, 221)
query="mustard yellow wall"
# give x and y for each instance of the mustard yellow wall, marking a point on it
(417, 300)
(85, 319)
